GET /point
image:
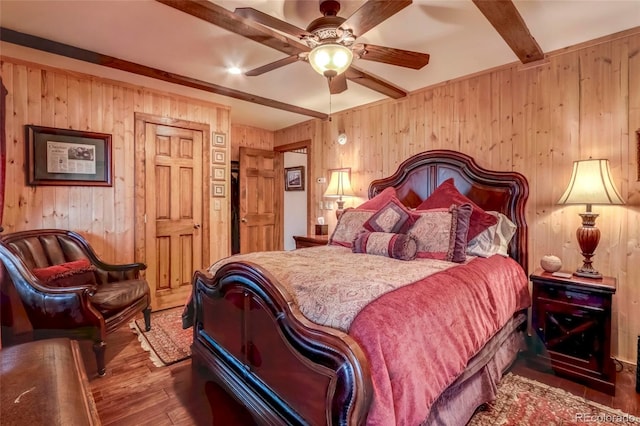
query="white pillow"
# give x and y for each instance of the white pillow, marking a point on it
(493, 240)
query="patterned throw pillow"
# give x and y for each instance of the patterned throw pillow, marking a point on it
(350, 223)
(70, 274)
(393, 217)
(396, 246)
(442, 233)
(447, 194)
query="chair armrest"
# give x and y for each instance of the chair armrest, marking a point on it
(89, 289)
(50, 307)
(120, 267)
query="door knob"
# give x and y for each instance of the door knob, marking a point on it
(196, 226)
(244, 220)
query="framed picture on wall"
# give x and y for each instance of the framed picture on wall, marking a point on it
(219, 140)
(67, 157)
(294, 178)
(218, 172)
(218, 156)
(217, 190)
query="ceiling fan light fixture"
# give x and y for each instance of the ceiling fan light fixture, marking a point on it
(330, 59)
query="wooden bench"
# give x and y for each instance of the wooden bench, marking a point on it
(44, 382)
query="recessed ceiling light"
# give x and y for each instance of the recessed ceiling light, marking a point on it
(234, 70)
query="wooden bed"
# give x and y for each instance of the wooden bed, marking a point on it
(247, 326)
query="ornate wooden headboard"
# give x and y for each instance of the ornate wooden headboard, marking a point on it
(505, 192)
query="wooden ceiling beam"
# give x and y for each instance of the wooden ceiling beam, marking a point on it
(73, 52)
(506, 19)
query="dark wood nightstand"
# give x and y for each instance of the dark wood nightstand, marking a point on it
(310, 240)
(571, 318)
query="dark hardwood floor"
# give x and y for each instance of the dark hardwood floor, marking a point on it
(135, 392)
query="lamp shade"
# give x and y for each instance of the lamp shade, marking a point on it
(339, 184)
(330, 59)
(591, 183)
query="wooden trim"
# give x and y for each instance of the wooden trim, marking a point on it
(294, 146)
(140, 171)
(73, 52)
(638, 155)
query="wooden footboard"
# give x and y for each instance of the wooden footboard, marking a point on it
(249, 333)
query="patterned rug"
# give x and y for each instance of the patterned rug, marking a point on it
(166, 342)
(522, 401)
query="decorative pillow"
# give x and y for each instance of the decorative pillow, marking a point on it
(495, 239)
(393, 217)
(349, 224)
(436, 232)
(446, 194)
(379, 201)
(70, 274)
(462, 230)
(397, 246)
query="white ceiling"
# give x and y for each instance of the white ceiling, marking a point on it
(457, 36)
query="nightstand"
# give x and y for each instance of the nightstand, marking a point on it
(310, 240)
(572, 319)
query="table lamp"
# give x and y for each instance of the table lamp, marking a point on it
(339, 187)
(590, 184)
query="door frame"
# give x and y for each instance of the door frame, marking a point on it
(141, 120)
(311, 189)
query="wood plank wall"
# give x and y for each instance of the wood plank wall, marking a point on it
(56, 98)
(249, 137)
(582, 102)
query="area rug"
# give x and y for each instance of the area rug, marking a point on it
(166, 342)
(522, 401)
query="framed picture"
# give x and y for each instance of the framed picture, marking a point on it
(218, 156)
(218, 173)
(294, 178)
(67, 157)
(217, 190)
(219, 140)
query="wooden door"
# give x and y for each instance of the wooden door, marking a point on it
(174, 213)
(259, 205)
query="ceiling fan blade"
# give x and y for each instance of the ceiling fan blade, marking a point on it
(372, 13)
(508, 22)
(270, 21)
(338, 84)
(223, 18)
(392, 56)
(374, 83)
(272, 66)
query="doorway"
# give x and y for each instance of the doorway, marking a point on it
(295, 201)
(172, 209)
(297, 208)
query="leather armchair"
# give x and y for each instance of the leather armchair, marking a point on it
(80, 311)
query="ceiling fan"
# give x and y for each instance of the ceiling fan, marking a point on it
(331, 40)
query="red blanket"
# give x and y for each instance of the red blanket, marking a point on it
(420, 337)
